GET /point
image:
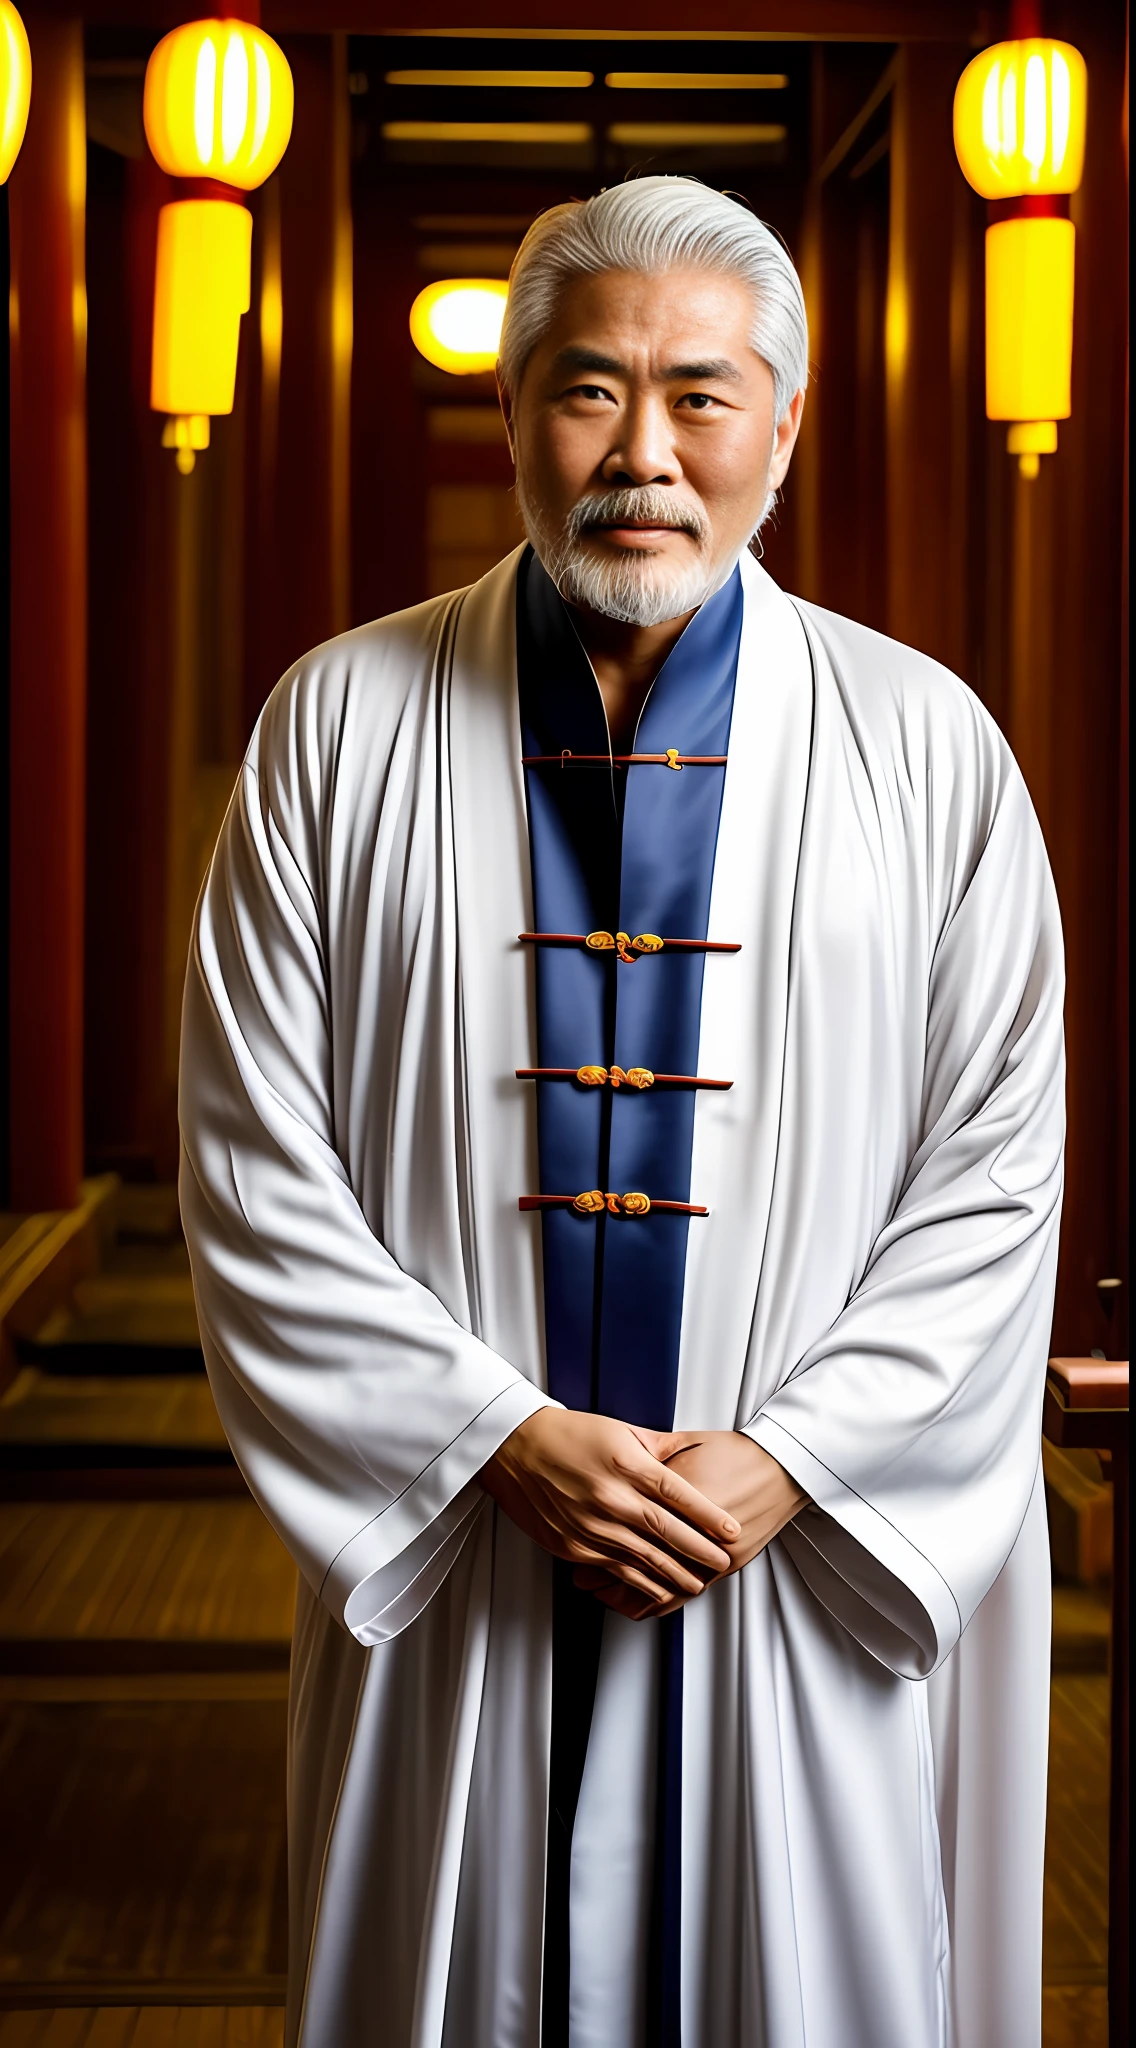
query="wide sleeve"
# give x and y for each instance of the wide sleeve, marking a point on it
(359, 1409)
(914, 1423)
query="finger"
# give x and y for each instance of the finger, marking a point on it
(634, 1568)
(588, 1578)
(689, 1543)
(619, 1544)
(628, 1604)
(677, 1493)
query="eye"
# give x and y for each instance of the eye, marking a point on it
(588, 391)
(698, 401)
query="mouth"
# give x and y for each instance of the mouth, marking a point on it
(634, 532)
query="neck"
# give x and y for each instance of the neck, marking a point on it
(626, 660)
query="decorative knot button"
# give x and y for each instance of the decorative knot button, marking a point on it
(624, 945)
(593, 1200)
(673, 760)
(633, 1077)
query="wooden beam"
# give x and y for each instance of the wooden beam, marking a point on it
(791, 20)
(49, 627)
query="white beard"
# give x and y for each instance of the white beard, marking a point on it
(635, 587)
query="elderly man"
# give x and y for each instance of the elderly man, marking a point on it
(622, 1117)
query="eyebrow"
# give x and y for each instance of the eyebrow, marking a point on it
(576, 357)
(716, 369)
(719, 369)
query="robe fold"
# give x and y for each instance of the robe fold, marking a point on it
(865, 1705)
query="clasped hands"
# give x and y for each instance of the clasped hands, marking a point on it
(648, 1518)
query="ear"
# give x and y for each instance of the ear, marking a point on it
(505, 401)
(784, 440)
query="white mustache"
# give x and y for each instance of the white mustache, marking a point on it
(645, 504)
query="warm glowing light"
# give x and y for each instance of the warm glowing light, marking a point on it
(556, 134)
(524, 81)
(200, 291)
(15, 85)
(188, 434)
(1020, 119)
(697, 81)
(696, 134)
(1029, 332)
(456, 325)
(218, 103)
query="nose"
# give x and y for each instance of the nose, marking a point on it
(642, 450)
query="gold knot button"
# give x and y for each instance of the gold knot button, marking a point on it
(628, 948)
(673, 760)
(591, 1077)
(593, 1200)
(634, 1077)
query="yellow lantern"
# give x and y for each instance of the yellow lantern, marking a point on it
(1029, 320)
(1019, 126)
(456, 325)
(15, 86)
(218, 103)
(201, 288)
(1020, 119)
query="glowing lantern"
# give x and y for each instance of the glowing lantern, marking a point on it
(456, 325)
(218, 105)
(15, 86)
(1019, 125)
(201, 288)
(1020, 119)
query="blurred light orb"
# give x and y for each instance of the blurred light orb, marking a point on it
(1019, 119)
(456, 324)
(218, 103)
(15, 86)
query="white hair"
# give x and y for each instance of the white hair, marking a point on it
(650, 225)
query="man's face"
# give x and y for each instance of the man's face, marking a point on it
(644, 439)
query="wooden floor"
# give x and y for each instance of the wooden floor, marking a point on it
(1076, 1890)
(1071, 2016)
(197, 1573)
(133, 2026)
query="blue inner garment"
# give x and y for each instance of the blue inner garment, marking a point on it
(628, 849)
(632, 850)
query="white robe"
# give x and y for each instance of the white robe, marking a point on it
(865, 1705)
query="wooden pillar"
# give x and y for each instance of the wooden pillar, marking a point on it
(925, 345)
(49, 627)
(388, 414)
(303, 571)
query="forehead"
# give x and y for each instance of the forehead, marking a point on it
(667, 315)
